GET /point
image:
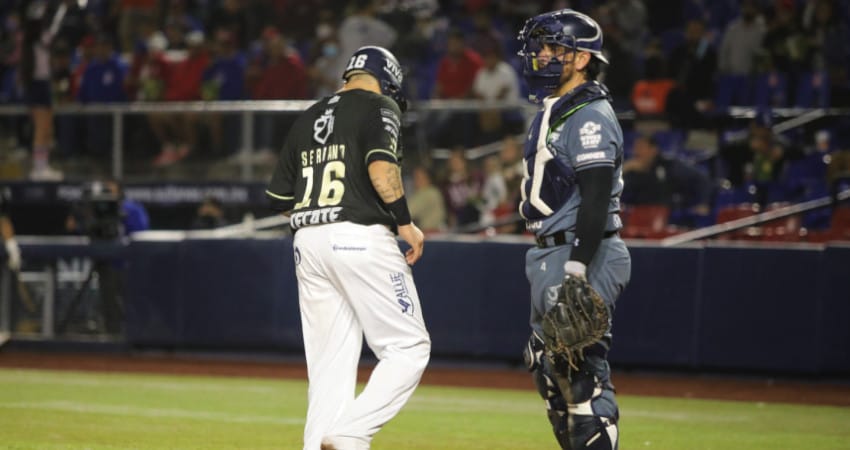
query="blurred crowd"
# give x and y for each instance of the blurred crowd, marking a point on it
(679, 62)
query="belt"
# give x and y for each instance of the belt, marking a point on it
(560, 238)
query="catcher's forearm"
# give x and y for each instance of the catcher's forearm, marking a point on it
(595, 187)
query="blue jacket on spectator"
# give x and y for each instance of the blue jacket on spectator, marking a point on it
(227, 75)
(103, 82)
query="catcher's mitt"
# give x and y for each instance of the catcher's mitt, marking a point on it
(578, 320)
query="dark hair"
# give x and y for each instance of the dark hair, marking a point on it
(592, 69)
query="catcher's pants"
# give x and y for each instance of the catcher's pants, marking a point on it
(353, 280)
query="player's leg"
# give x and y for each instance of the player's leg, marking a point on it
(592, 405)
(379, 285)
(332, 338)
(547, 386)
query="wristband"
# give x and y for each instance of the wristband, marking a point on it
(576, 268)
(399, 210)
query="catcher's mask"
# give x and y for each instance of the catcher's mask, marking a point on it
(566, 28)
(381, 64)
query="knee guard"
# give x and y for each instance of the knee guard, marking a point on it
(547, 386)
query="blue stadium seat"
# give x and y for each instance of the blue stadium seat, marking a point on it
(813, 90)
(733, 90)
(771, 90)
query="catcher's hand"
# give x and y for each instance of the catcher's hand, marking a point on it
(578, 320)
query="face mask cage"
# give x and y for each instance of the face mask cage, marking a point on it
(542, 76)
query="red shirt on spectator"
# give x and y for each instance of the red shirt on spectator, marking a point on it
(183, 78)
(285, 78)
(456, 75)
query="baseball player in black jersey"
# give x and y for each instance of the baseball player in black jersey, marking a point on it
(339, 179)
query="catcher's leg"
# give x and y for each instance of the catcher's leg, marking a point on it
(547, 386)
(592, 407)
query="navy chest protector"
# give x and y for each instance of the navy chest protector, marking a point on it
(549, 182)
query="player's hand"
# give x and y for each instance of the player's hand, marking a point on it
(413, 236)
(13, 253)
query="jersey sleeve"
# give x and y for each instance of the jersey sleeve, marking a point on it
(382, 132)
(281, 188)
(591, 140)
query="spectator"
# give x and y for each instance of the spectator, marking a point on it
(326, 58)
(497, 81)
(177, 133)
(828, 41)
(758, 158)
(649, 95)
(494, 191)
(210, 215)
(692, 65)
(361, 28)
(131, 14)
(455, 77)
(653, 179)
(102, 82)
(427, 206)
(742, 41)
(35, 77)
(785, 44)
(277, 73)
(462, 190)
(231, 17)
(224, 79)
(457, 69)
(145, 78)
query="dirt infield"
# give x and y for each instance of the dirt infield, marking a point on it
(629, 383)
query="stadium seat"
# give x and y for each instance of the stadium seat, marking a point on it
(739, 211)
(813, 90)
(786, 229)
(732, 90)
(647, 222)
(771, 90)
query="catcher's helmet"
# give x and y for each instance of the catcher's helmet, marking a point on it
(381, 64)
(565, 27)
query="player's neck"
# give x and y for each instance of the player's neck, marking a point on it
(364, 83)
(575, 81)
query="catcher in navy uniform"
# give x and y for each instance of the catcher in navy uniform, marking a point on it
(570, 200)
(339, 179)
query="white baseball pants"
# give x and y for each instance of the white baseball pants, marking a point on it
(353, 280)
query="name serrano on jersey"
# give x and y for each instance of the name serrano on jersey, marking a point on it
(315, 217)
(322, 154)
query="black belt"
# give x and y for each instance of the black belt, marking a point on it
(560, 238)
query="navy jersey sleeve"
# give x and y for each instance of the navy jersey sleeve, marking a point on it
(382, 131)
(592, 140)
(281, 189)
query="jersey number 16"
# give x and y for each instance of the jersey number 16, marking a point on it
(332, 189)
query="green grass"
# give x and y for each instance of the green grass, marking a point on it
(79, 410)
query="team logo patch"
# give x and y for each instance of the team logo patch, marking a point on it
(402, 295)
(323, 126)
(552, 293)
(589, 134)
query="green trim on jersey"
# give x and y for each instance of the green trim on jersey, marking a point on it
(380, 150)
(280, 197)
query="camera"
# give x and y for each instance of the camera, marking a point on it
(102, 217)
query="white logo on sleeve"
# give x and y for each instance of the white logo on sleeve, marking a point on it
(589, 134)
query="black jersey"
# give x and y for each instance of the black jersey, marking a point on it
(323, 167)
